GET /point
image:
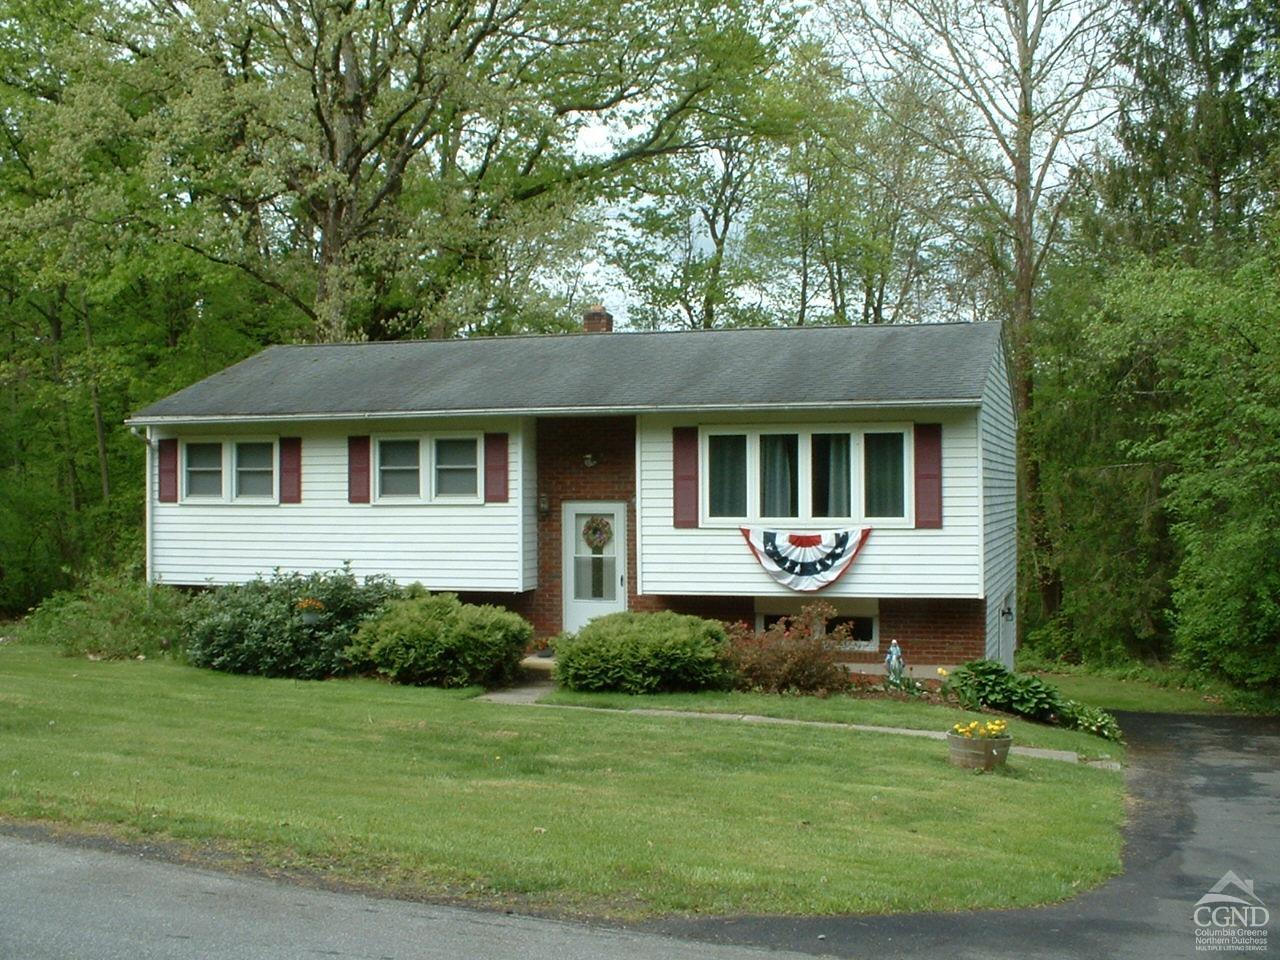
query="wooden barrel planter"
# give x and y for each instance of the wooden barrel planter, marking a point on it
(978, 753)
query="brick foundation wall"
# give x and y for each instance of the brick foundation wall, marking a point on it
(931, 631)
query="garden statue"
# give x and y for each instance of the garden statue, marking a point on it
(894, 664)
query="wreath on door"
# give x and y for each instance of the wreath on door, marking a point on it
(596, 533)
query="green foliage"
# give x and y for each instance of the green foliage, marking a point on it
(1078, 716)
(113, 617)
(791, 656)
(644, 653)
(258, 628)
(440, 641)
(986, 683)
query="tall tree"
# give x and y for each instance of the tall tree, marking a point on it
(1198, 127)
(1026, 79)
(404, 148)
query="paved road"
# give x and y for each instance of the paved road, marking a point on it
(69, 903)
(1206, 794)
(1207, 800)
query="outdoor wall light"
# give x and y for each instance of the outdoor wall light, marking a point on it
(590, 460)
(544, 506)
(1007, 613)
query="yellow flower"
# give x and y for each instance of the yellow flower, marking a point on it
(942, 671)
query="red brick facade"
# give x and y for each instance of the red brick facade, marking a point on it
(929, 631)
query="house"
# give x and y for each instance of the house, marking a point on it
(730, 473)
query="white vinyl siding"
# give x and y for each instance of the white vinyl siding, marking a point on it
(999, 504)
(897, 561)
(528, 495)
(444, 545)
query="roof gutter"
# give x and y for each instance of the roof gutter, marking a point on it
(959, 402)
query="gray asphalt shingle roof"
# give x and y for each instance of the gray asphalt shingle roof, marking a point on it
(745, 368)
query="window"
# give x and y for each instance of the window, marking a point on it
(830, 474)
(856, 620)
(727, 492)
(204, 470)
(884, 475)
(780, 475)
(456, 467)
(254, 470)
(399, 469)
(823, 475)
(859, 633)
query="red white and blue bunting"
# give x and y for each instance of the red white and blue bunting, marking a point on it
(806, 561)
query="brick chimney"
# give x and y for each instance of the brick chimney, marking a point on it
(597, 320)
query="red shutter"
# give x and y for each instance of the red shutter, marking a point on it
(357, 469)
(495, 468)
(928, 475)
(168, 471)
(684, 456)
(290, 469)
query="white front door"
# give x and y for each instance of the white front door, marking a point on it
(595, 560)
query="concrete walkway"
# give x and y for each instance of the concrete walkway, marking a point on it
(535, 688)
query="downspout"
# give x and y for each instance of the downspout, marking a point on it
(146, 500)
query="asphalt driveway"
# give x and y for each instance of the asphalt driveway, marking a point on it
(1206, 800)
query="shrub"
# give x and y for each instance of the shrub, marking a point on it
(258, 627)
(113, 617)
(1079, 716)
(792, 655)
(441, 641)
(985, 683)
(644, 653)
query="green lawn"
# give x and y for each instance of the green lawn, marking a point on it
(914, 715)
(428, 793)
(1113, 693)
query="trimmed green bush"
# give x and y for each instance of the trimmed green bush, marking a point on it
(261, 627)
(440, 641)
(113, 617)
(644, 653)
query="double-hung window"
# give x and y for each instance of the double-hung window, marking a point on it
(808, 475)
(428, 469)
(204, 470)
(255, 470)
(229, 471)
(399, 469)
(457, 466)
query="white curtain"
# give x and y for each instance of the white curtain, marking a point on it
(834, 479)
(778, 475)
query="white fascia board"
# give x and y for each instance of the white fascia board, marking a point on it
(957, 403)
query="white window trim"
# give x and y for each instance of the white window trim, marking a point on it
(478, 496)
(804, 477)
(228, 448)
(426, 469)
